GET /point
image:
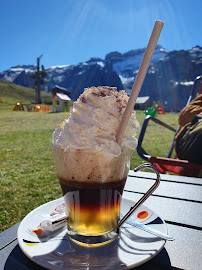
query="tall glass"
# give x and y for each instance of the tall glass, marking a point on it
(92, 185)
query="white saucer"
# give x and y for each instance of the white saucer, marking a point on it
(133, 247)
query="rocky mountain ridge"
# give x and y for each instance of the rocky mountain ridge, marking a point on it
(169, 78)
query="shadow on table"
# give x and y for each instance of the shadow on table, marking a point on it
(18, 261)
(15, 259)
(160, 262)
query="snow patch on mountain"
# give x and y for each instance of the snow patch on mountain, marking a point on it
(58, 67)
(185, 83)
(126, 80)
(127, 66)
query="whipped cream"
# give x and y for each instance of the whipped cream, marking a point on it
(94, 120)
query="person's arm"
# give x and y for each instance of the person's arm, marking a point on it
(190, 111)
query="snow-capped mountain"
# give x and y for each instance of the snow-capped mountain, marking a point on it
(170, 73)
(116, 70)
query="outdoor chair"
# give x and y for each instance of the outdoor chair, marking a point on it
(168, 164)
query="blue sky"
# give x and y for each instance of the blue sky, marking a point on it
(67, 32)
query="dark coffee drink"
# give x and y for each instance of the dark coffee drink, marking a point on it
(92, 208)
(92, 185)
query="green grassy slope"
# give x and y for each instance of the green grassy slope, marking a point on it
(11, 93)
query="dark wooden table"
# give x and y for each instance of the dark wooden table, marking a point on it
(178, 200)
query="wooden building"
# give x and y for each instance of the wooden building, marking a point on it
(61, 103)
(143, 103)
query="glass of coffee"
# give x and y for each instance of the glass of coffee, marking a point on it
(92, 184)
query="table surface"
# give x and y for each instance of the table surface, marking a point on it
(177, 200)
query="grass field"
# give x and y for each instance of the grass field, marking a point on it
(27, 174)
